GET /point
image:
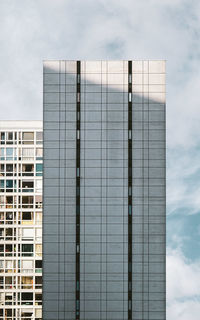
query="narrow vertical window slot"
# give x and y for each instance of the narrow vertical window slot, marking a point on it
(78, 95)
(130, 190)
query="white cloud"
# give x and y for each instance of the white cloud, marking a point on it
(183, 184)
(33, 30)
(36, 30)
(183, 287)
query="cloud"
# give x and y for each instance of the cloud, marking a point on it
(37, 30)
(183, 287)
(34, 30)
(183, 183)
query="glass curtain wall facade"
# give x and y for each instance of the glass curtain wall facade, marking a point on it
(21, 173)
(104, 190)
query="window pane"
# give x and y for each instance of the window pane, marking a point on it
(39, 167)
(10, 135)
(39, 135)
(39, 152)
(28, 153)
(9, 152)
(2, 153)
(9, 183)
(27, 248)
(28, 135)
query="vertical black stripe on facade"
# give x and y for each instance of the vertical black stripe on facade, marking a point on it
(129, 190)
(78, 92)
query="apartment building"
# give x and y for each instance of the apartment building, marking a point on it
(21, 170)
(104, 190)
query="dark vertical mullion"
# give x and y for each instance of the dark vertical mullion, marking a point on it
(129, 190)
(78, 92)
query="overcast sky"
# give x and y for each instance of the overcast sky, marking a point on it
(35, 30)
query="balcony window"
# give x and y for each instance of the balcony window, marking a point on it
(9, 313)
(1, 266)
(39, 169)
(38, 201)
(38, 298)
(27, 186)
(38, 266)
(38, 217)
(26, 282)
(39, 137)
(38, 185)
(27, 234)
(26, 266)
(1, 250)
(27, 153)
(38, 282)
(28, 137)
(27, 315)
(38, 250)
(1, 217)
(9, 169)
(9, 284)
(38, 234)
(1, 233)
(10, 266)
(9, 153)
(9, 201)
(1, 282)
(27, 169)
(27, 298)
(39, 153)
(8, 300)
(27, 201)
(27, 250)
(1, 170)
(1, 185)
(10, 234)
(2, 202)
(27, 218)
(9, 217)
(2, 137)
(9, 138)
(10, 250)
(9, 185)
(38, 314)
(2, 153)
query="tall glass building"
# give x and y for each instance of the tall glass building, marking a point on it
(21, 220)
(104, 190)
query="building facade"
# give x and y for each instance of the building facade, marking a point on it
(21, 167)
(104, 190)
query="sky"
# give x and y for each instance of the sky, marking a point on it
(36, 30)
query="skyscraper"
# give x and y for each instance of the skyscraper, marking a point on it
(21, 220)
(104, 190)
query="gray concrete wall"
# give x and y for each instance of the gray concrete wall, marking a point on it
(104, 191)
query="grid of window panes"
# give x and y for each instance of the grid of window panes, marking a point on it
(109, 278)
(21, 170)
